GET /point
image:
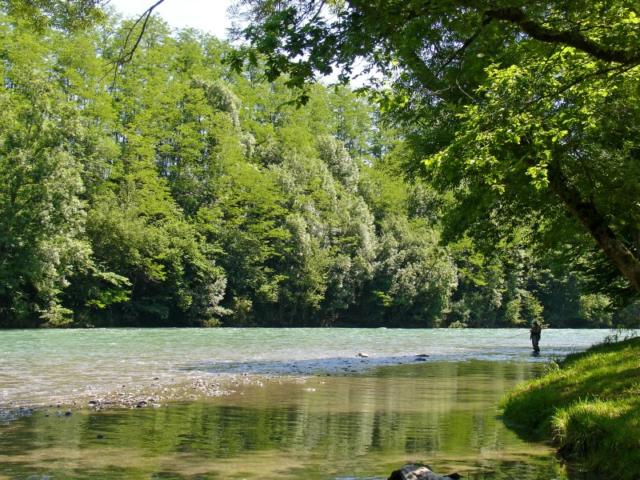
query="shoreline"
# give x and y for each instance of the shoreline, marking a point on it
(588, 406)
(152, 395)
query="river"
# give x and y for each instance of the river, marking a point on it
(287, 403)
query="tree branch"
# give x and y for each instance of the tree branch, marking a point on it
(466, 44)
(572, 38)
(126, 54)
(618, 69)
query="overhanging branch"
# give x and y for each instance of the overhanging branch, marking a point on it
(126, 53)
(128, 49)
(572, 38)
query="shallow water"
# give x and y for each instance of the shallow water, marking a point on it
(330, 427)
(39, 367)
(303, 406)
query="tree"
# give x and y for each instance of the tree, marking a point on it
(44, 14)
(180, 192)
(508, 101)
(45, 137)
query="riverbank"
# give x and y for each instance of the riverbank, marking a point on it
(589, 405)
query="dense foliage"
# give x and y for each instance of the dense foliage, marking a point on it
(524, 113)
(177, 190)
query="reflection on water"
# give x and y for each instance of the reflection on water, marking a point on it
(329, 427)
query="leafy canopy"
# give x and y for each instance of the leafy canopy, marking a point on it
(526, 111)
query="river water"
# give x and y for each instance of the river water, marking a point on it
(293, 403)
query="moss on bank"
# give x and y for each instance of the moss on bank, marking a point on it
(589, 405)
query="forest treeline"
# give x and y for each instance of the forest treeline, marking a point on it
(176, 191)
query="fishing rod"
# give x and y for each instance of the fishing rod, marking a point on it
(514, 337)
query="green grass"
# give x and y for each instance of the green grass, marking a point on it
(589, 405)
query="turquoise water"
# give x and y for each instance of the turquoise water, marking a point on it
(39, 367)
(291, 404)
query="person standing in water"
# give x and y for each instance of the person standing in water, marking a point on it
(535, 333)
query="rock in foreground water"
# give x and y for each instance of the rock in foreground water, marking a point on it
(420, 472)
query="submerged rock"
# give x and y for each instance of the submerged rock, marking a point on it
(11, 414)
(420, 472)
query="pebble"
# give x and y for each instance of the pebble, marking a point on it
(142, 395)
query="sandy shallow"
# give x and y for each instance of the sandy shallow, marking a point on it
(193, 382)
(151, 394)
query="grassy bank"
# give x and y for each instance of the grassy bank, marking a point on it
(589, 405)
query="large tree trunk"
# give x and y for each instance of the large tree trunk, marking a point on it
(586, 211)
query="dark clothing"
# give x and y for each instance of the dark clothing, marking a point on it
(536, 332)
